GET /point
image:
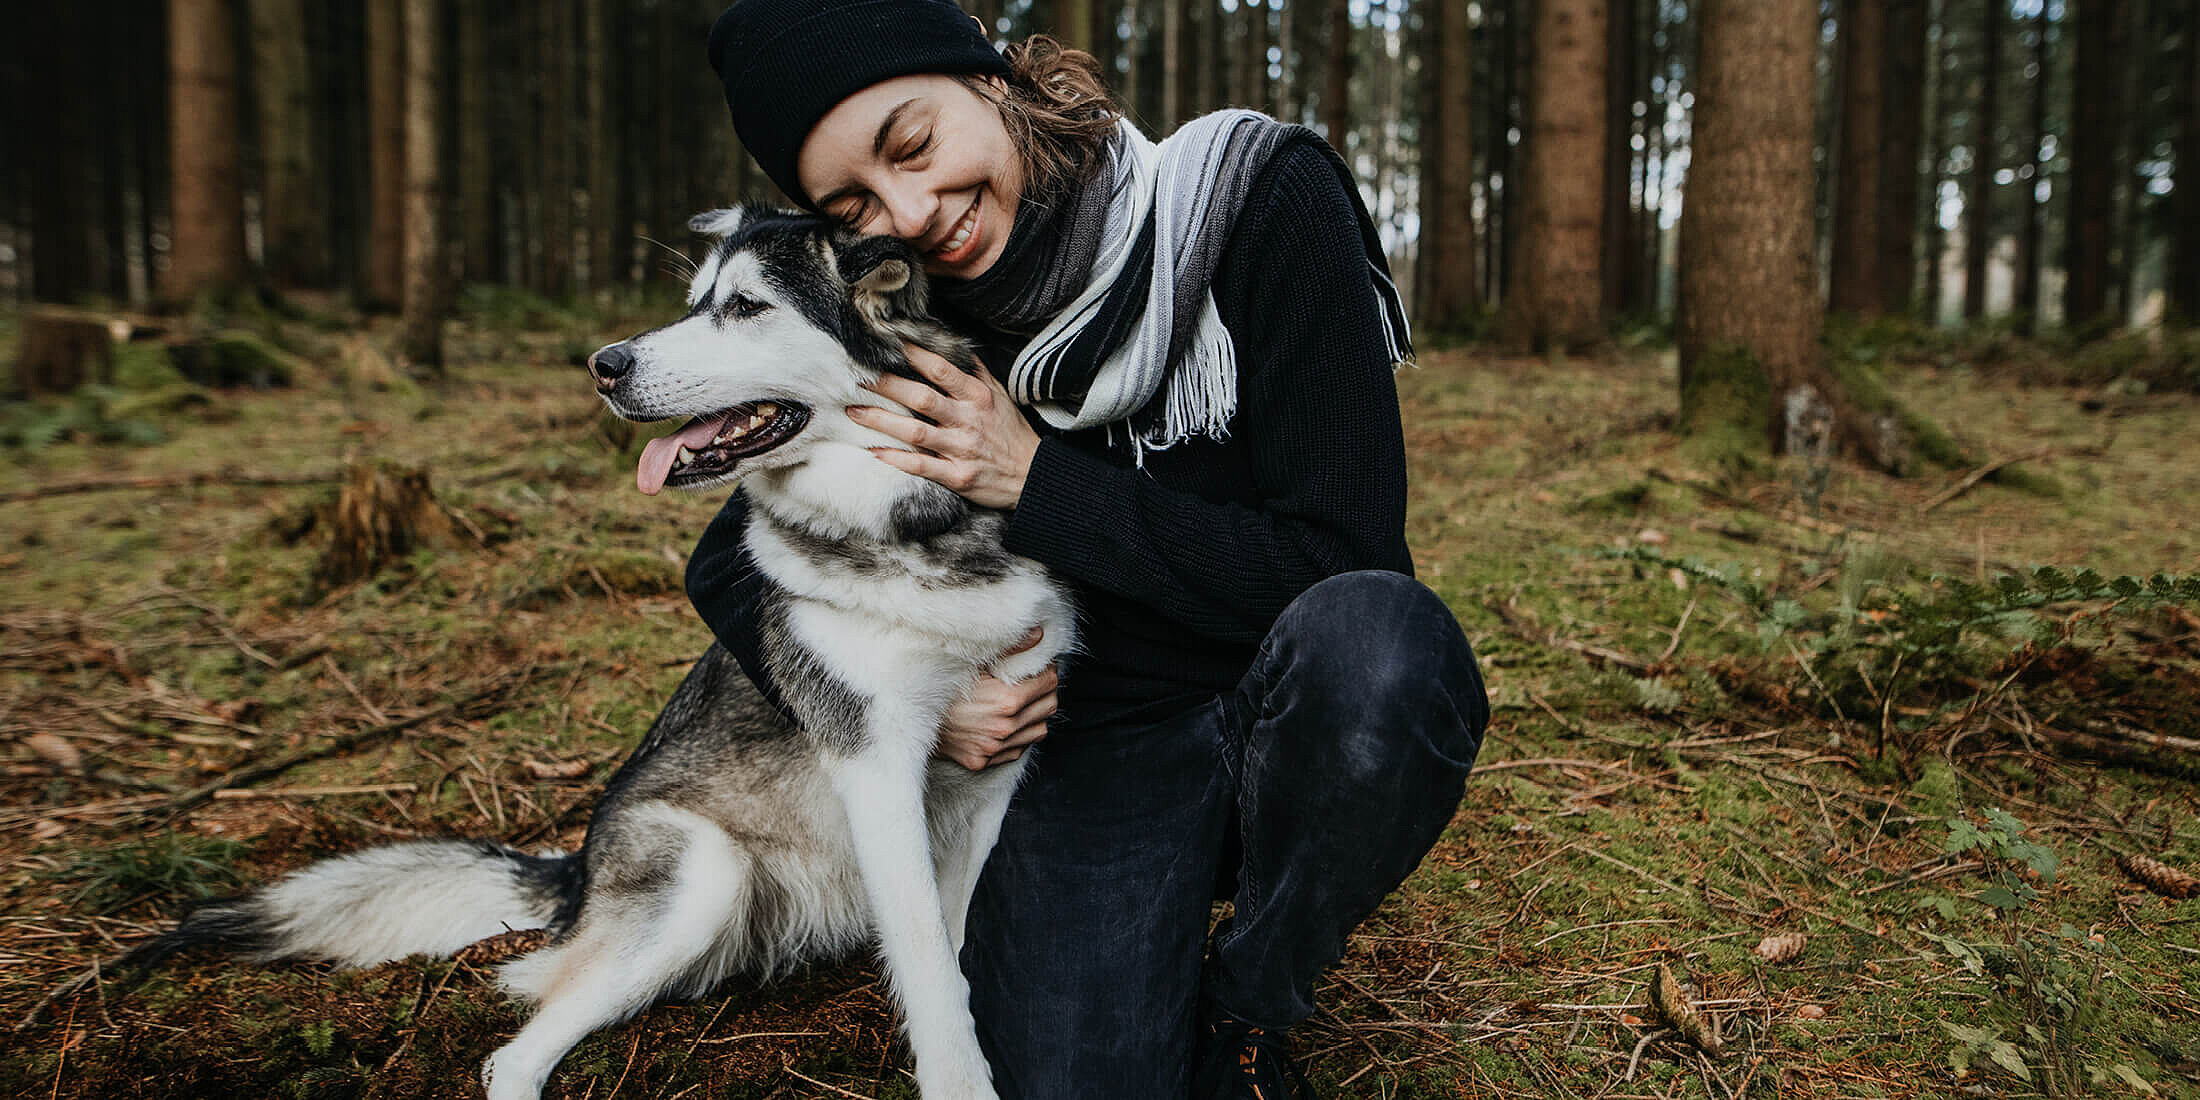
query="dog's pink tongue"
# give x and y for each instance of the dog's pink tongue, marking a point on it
(659, 454)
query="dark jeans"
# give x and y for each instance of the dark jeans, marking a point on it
(1332, 768)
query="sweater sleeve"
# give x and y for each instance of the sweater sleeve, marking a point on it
(726, 588)
(1317, 413)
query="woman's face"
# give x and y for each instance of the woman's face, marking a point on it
(923, 158)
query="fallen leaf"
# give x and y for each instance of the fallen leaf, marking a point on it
(1811, 1012)
(56, 751)
(1651, 536)
(564, 769)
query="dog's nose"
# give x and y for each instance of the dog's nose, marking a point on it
(609, 364)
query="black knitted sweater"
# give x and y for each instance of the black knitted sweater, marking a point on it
(1180, 568)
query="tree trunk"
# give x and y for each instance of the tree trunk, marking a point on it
(1073, 23)
(603, 147)
(1172, 66)
(1943, 139)
(1256, 55)
(1978, 199)
(1619, 159)
(1287, 42)
(1901, 133)
(2096, 113)
(423, 301)
(207, 195)
(1337, 90)
(1444, 280)
(2028, 241)
(1751, 372)
(289, 197)
(475, 167)
(1856, 279)
(2135, 145)
(1557, 289)
(384, 282)
(2184, 263)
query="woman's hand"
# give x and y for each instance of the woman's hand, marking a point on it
(994, 721)
(976, 443)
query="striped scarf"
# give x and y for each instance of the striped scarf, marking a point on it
(1141, 343)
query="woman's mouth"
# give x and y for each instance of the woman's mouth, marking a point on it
(963, 242)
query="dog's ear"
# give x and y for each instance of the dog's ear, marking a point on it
(881, 271)
(718, 223)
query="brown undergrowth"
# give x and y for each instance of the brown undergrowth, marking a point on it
(184, 708)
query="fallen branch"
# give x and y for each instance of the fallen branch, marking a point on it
(1519, 624)
(2159, 753)
(1808, 523)
(223, 476)
(247, 794)
(270, 768)
(1970, 481)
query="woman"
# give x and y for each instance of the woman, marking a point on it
(1266, 704)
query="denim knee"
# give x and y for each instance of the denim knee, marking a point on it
(1387, 651)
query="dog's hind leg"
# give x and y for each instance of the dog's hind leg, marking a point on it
(639, 935)
(884, 797)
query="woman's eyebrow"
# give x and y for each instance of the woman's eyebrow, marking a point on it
(886, 125)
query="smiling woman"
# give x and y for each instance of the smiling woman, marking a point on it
(1188, 415)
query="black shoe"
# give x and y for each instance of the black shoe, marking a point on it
(1243, 1062)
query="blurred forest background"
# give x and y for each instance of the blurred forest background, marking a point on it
(2014, 161)
(312, 536)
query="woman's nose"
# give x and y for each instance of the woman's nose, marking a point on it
(910, 209)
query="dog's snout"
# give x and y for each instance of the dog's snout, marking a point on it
(609, 364)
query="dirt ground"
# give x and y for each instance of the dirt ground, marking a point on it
(1722, 716)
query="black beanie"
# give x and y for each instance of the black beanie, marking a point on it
(785, 63)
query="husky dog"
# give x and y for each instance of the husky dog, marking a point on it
(735, 840)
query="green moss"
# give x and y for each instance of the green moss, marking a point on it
(1726, 405)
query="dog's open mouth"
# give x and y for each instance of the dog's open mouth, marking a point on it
(711, 445)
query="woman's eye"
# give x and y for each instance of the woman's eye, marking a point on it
(920, 149)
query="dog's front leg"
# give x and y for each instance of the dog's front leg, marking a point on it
(883, 792)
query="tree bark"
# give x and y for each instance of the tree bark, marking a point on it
(2096, 114)
(1337, 89)
(1448, 298)
(2029, 259)
(2184, 264)
(207, 195)
(1942, 138)
(1978, 198)
(1557, 290)
(1901, 133)
(1620, 264)
(384, 278)
(1856, 277)
(1172, 66)
(423, 290)
(295, 250)
(1255, 93)
(1750, 314)
(1073, 23)
(476, 166)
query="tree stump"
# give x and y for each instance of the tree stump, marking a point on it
(63, 351)
(382, 514)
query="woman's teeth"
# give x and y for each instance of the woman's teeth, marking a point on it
(962, 233)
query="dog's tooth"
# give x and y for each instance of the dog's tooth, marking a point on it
(684, 457)
(767, 409)
(754, 421)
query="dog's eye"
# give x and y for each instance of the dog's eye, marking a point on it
(743, 306)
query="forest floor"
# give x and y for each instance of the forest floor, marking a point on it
(1725, 710)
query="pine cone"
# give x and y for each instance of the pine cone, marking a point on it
(502, 946)
(1783, 948)
(2159, 877)
(1671, 1004)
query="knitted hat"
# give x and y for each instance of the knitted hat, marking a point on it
(786, 63)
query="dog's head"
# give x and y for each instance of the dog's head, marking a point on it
(788, 316)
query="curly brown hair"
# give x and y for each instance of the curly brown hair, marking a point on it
(1057, 110)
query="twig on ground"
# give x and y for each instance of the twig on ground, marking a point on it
(172, 481)
(1970, 481)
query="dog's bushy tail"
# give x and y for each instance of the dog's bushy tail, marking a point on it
(428, 897)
